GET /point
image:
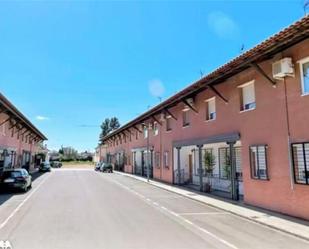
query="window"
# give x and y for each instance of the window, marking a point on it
(304, 70)
(237, 153)
(208, 161)
(155, 129)
(224, 163)
(133, 156)
(157, 159)
(166, 159)
(247, 96)
(300, 155)
(211, 109)
(185, 118)
(145, 132)
(168, 123)
(258, 162)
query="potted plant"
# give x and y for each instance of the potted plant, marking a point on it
(209, 162)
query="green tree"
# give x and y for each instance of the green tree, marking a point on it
(114, 124)
(209, 161)
(107, 126)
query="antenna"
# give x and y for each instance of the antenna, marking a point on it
(201, 73)
(242, 48)
(306, 6)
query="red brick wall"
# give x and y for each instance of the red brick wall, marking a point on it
(267, 124)
(8, 141)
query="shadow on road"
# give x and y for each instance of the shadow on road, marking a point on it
(5, 194)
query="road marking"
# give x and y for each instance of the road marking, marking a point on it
(3, 224)
(180, 218)
(72, 169)
(205, 213)
(189, 222)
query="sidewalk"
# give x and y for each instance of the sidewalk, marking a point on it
(284, 223)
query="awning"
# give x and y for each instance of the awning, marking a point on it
(2, 148)
(142, 148)
(230, 137)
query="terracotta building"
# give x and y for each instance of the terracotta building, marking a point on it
(242, 131)
(20, 141)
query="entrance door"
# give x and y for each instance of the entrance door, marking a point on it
(190, 169)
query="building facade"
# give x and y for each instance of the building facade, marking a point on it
(241, 131)
(20, 141)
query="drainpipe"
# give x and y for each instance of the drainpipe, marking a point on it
(178, 164)
(200, 165)
(289, 135)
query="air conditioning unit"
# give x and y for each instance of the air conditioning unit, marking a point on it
(283, 68)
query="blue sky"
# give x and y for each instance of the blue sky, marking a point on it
(68, 64)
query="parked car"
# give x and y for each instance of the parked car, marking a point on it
(56, 164)
(45, 167)
(106, 167)
(16, 179)
(97, 166)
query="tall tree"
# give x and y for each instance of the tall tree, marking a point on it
(107, 126)
(114, 123)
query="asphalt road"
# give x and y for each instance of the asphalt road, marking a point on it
(77, 209)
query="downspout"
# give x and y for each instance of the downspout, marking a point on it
(288, 135)
(161, 153)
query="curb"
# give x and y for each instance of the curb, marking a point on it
(151, 182)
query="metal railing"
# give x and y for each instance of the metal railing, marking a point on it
(181, 177)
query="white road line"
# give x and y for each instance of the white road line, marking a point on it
(205, 213)
(173, 213)
(184, 220)
(189, 222)
(3, 224)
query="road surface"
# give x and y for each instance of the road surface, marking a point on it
(77, 209)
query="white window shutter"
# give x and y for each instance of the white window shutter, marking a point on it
(211, 106)
(248, 94)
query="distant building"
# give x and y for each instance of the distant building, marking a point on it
(85, 156)
(100, 153)
(20, 141)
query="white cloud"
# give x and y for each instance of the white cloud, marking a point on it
(223, 25)
(156, 88)
(41, 118)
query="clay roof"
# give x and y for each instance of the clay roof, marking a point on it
(12, 110)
